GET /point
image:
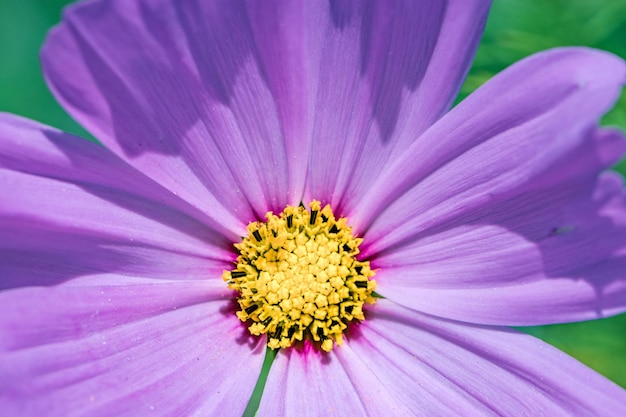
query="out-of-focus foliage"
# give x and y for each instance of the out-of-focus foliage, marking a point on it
(516, 29)
(23, 27)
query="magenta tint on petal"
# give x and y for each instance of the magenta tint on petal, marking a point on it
(167, 349)
(71, 208)
(175, 88)
(432, 367)
(500, 139)
(554, 252)
(309, 384)
(388, 71)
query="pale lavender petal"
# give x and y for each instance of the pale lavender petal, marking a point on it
(556, 252)
(389, 70)
(131, 349)
(309, 384)
(287, 38)
(489, 274)
(500, 139)
(72, 208)
(175, 88)
(400, 362)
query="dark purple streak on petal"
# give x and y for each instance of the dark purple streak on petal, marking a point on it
(503, 137)
(518, 194)
(173, 87)
(388, 71)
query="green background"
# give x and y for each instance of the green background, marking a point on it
(516, 28)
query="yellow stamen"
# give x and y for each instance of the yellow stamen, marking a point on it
(298, 277)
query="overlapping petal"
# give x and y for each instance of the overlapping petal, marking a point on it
(174, 88)
(404, 363)
(124, 347)
(389, 70)
(553, 256)
(257, 96)
(497, 141)
(533, 233)
(72, 208)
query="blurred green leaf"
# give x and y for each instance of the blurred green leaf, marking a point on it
(23, 26)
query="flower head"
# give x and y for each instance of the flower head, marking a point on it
(289, 175)
(299, 279)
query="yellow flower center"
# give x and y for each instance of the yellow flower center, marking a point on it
(298, 277)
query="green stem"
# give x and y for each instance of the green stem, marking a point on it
(255, 398)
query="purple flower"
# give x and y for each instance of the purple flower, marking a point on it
(499, 212)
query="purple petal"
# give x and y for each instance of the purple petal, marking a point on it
(237, 95)
(174, 87)
(71, 208)
(167, 349)
(500, 139)
(405, 363)
(555, 252)
(307, 383)
(388, 71)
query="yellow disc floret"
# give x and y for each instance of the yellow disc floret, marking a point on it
(298, 277)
